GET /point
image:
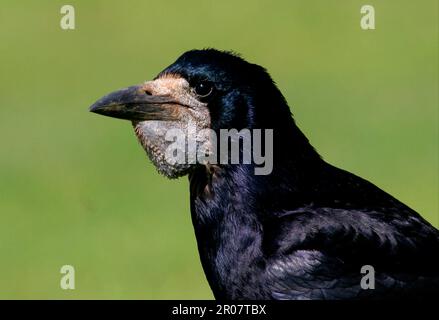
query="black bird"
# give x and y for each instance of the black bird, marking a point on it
(305, 230)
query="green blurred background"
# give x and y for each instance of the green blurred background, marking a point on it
(76, 188)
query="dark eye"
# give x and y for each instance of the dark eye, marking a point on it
(203, 89)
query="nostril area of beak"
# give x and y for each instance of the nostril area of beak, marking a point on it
(147, 89)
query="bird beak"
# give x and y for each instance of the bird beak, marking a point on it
(136, 104)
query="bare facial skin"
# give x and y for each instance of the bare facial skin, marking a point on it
(191, 115)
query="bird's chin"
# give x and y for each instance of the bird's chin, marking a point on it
(151, 135)
(169, 170)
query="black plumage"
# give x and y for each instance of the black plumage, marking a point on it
(305, 230)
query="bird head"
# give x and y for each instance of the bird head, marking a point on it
(202, 89)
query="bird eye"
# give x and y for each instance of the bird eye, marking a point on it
(203, 89)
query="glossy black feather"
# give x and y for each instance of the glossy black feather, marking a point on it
(305, 230)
